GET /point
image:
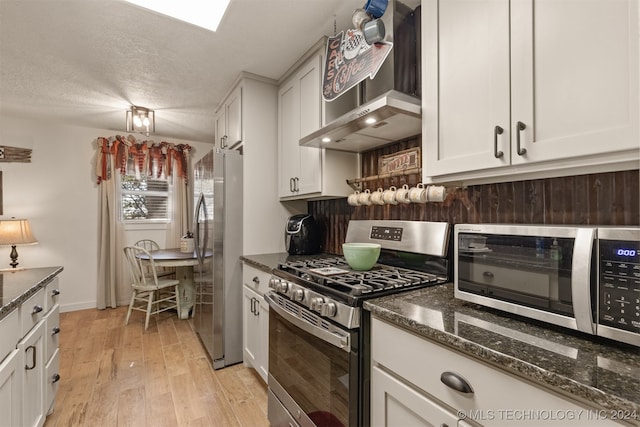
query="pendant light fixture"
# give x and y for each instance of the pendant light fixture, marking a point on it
(141, 119)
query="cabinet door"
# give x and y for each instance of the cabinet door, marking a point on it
(11, 389)
(33, 370)
(234, 118)
(288, 137)
(309, 82)
(393, 403)
(250, 326)
(221, 127)
(465, 85)
(574, 77)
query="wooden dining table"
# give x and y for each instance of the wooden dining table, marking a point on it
(184, 263)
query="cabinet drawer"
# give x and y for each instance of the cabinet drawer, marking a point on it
(52, 331)
(9, 333)
(421, 363)
(52, 294)
(255, 279)
(52, 379)
(32, 311)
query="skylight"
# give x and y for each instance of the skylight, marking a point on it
(205, 14)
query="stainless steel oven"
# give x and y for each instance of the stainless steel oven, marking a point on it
(318, 334)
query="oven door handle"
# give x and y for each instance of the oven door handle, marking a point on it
(340, 341)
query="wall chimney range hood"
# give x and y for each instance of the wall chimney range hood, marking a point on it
(387, 108)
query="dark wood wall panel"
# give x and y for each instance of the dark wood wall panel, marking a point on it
(598, 199)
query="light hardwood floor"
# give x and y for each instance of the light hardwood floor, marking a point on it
(116, 375)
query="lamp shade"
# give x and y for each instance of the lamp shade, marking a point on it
(16, 232)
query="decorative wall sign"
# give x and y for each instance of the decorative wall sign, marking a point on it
(15, 154)
(407, 159)
(349, 60)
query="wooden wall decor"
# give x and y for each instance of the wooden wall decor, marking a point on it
(15, 154)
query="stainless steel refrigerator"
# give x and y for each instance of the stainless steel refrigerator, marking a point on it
(218, 280)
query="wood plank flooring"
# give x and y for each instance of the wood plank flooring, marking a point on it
(117, 375)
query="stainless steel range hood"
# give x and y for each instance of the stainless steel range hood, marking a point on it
(387, 108)
(396, 114)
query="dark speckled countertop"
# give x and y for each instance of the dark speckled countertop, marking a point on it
(17, 286)
(598, 371)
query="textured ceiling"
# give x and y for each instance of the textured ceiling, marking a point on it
(84, 62)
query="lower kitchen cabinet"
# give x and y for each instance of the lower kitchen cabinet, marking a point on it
(395, 403)
(29, 372)
(255, 336)
(11, 388)
(415, 381)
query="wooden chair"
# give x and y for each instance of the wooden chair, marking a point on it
(147, 287)
(162, 272)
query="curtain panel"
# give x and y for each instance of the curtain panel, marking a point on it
(151, 160)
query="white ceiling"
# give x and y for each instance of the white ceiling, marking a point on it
(84, 62)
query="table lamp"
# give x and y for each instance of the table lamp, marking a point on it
(15, 232)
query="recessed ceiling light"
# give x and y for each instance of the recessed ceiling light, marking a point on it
(204, 14)
(370, 121)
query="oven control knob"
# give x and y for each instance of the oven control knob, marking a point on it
(298, 295)
(273, 282)
(316, 303)
(329, 309)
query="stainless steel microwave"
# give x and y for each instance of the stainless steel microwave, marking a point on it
(579, 277)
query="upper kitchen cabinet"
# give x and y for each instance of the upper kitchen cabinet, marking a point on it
(308, 172)
(529, 88)
(228, 121)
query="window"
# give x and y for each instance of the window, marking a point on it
(144, 198)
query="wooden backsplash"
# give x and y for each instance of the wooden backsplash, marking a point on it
(596, 199)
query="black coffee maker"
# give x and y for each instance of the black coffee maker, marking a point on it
(302, 235)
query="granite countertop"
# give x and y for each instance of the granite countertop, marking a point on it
(599, 371)
(265, 262)
(17, 286)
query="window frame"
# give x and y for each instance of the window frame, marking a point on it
(169, 194)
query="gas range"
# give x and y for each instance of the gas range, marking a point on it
(414, 255)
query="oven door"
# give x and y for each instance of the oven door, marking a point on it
(313, 368)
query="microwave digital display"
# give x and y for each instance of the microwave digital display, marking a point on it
(626, 252)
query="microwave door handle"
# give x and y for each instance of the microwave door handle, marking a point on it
(336, 340)
(581, 279)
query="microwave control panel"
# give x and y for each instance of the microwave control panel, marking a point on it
(619, 294)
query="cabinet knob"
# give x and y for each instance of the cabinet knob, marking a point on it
(256, 280)
(55, 330)
(36, 309)
(55, 378)
(55, 292)
(456, 382)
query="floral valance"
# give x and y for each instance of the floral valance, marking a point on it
(149, 158)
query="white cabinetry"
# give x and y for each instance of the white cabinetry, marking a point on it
(412, 382)
(29, 373)
(255, 320)
(526, 87)
(307, 172)
(228, 121)
(11, 364)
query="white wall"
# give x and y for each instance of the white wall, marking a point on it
(58, 193)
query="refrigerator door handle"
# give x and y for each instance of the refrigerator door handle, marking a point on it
(201, 249)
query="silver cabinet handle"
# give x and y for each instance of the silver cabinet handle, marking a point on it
(291, 185)
(497, 131)
(520, 127)
(296, 188)
(223, 142)
(36, 309)
(456, 382)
